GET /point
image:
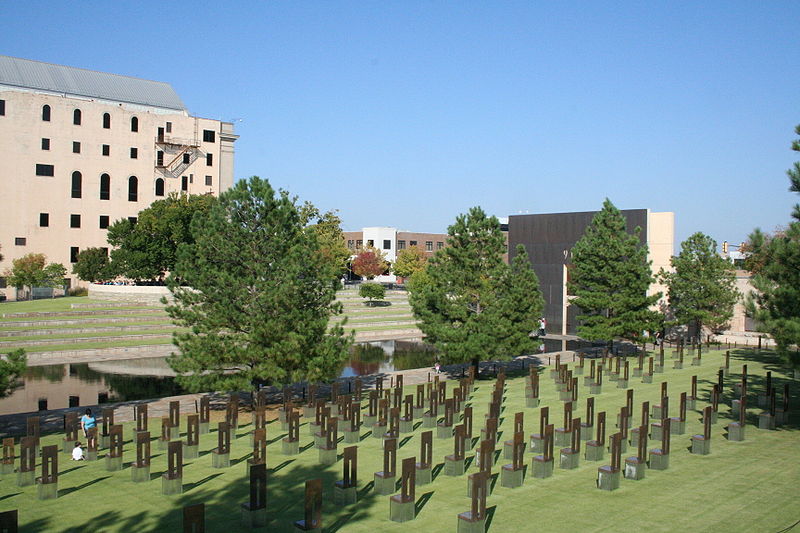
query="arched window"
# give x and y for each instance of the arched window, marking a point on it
(106, 121)
(159, 187)
(77, 184)
(134, 124)
(105, 187)
(133, 189)
(76, 117)
(46, 113)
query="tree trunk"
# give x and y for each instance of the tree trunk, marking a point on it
(474, 364)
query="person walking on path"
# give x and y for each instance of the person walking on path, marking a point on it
(542, 327)
(88, 421)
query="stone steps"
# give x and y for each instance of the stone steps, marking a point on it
(386, 324)
(105, 304)
(77, 340)
(69, 322)
(96, 312)
(36, 332)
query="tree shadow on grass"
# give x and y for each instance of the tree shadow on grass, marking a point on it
(70, 490)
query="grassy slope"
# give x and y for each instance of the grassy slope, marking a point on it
(747, 486)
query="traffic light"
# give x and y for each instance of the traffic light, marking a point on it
(724, 247)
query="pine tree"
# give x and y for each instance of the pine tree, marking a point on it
(256, 295)
(610, 276)
(702, 287)
(470, 304)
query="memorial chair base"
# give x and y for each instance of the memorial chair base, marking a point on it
(633, 436)
(655, 432)
(658, 369)
(444, 432)
(657, 410)
(467, 525)
(290, 447)
(695, 362)
(594, 452)
(253, 517)
(406, 426)
(326, 456)
(171, 486)
(26, 479)
(608, 479)
(6, 468)
(384, 486)
(766, 421)
(537, 444)
(301, 525)
(622, 384)
(677, 365)
(319, 440)
(68, 445)
(369, 421)
(508, 449)
(378, 430)
(334, 409)
(204, 428)
(677, 426)
(586, 432)
(531, 402)
(630, 421)
(736, 406)
(418, 412)
(400, 511)
(191, 451)
(220, 460)
(565, 395)
(91, 455)
(725, 371)
(562, 438)
(351, 437)
(714, 417)
(637, 372)
(313, 428)
(542, 469)
(113, 463)
(701, 446)
(634, 469)
(423, 475)
(162, 444)
(429, 421)
(569, 459)
(453, 467)
(691, 403)
(47, 491)
(647, 378)
(309, 412)
(140, 474)
(174, 433)
(344, 496)
(659, 461)
(510, 478)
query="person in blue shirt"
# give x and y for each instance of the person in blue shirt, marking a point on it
(88, 421)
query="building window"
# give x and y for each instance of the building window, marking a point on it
(74, 221)
(387, 244)
(412, 243)
(3, 282)
(159, 187)
(46, 113)
(44, 220)
(428, 246)
(351, 244)
(160, 158)
(20, 241)
(169, 127)
(45, 170)
(103, 221)
(209, 181)
(45, 144)
(73, 254)
(105, 187)
(184, 183)
(186, 159)
(209, 160)
(401, 245)
(134, 124)
(2, 107)
(106, 121)
(133, 220)
(106, 149)
(208, 136)
(76, 147)
(134, 153)
(105, 250)
(370, 243)
(439, 245)
(76, 117)
(77, 184)
(359, 243)
(133, 189)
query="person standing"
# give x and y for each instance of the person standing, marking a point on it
(88, 421)
(542, 327)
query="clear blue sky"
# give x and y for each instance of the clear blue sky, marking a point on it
(407, 113)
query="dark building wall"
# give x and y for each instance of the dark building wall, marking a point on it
(548, 239)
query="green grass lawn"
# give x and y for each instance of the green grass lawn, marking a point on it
(59, 304)
(6, 327)
(742, 486)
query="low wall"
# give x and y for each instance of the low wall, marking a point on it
(129, 293)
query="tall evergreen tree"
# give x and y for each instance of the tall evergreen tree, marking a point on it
(775, 262)
(256, 294)
(470, 304)
(702, 287)
(610, 276)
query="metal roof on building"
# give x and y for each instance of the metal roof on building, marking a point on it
(36, 75)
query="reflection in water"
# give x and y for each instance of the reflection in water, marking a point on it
(386, 356)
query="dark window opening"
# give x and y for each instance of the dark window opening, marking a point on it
(184, 183)
(185, 159)
(77, 184)
(76, 147)
(42, 404)
(74, 401)
(106, 121)
(76, 117)
(73, 254)
(20, 241)
(159, 187)
(45, 170)
(133, 220)
(133, 189)
(370, 243)
(2, 107)
(439, 245)
(134, 124)
(359, 243)
(387, 244)
(74, 221)
(169, 127)
(104, 221)
(208, 136)
(428, 246)
(45, 144)
(160, 158)
(208, 181)
(209, 160)
(105, 187)
(3, 283)
(412, 243)
(106, 149)
(401, 245)
(134, 153)
(44, 220)
(105, 250)
(46, 113)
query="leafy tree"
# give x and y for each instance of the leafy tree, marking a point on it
(327, 228)
(702, 288)
(370, 262)
(146, 249)
(12, 366)
(775, 262)
(32, 270)
(610, 276)
(256, 295)
(92, 265)
(409, 261)
(373, 291)
(470, 304)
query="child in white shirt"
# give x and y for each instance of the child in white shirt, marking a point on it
(77, 452)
